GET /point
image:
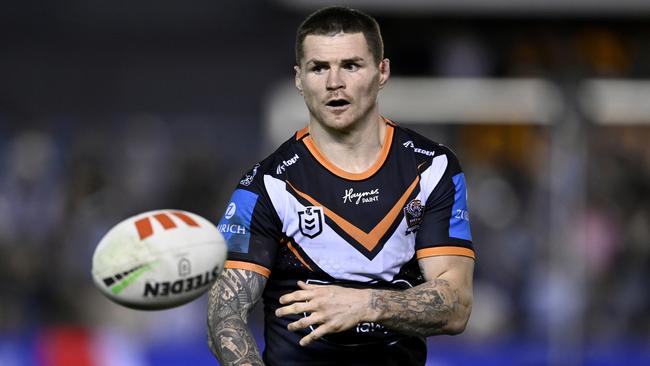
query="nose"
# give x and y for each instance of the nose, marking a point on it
(334, 80)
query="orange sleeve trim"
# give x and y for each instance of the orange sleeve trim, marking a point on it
(248, 266)
(438, 251)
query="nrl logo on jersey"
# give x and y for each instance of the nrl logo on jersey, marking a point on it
(413, 215)
(311, 221)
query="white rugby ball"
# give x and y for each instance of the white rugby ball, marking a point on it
(158, 259)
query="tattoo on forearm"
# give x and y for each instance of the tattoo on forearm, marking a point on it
(229, 302)
(423, 310)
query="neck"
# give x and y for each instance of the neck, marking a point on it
(354, 150)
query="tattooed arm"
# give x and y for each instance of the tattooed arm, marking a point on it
(231, 299)
(441, 305)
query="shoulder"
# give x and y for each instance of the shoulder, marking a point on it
(275, 164)
(424, 149)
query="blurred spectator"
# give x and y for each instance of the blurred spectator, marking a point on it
(462, 54)
(602, 52)
(31, 212)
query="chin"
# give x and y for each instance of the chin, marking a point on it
(339, 123)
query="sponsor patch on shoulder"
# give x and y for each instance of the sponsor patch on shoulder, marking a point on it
(459, 221)
(236, 221)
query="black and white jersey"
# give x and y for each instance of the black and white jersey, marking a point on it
(296, 216)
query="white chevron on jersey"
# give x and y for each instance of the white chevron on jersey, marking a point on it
(431, 176)
(332, 253)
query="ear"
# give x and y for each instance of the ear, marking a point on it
(384, 72)
(297, 81)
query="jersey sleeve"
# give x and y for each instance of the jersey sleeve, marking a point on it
(251, 227)
(445, 228)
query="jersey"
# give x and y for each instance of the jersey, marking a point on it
(296, 216)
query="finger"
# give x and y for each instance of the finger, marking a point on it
(295, 308)
(315, 335)
(304, 322)
(306, 286)
(295, 296)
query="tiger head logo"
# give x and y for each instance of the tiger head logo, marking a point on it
(413, 215)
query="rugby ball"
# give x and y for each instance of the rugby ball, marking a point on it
(158, 259)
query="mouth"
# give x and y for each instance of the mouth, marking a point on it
(338, 104)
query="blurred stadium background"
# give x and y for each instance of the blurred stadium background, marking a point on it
(112, 108)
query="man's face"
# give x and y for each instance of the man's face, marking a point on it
(339, 79)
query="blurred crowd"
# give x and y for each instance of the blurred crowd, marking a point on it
(65, 180)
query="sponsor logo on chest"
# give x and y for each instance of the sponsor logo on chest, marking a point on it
(361, 197)
(286, 163)
(409, 144)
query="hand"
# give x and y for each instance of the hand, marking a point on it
(333, 308)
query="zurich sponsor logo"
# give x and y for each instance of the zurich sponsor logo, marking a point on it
(409, 144)
(459, 221)
(232, 229)
(230, 211)
(236, 222)
(286, 163)
(461, 214)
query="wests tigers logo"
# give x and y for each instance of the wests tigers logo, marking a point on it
(413, 215)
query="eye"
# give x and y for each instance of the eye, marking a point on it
(351, 66)
(318, 69)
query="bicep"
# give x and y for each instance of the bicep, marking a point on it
(458, 271)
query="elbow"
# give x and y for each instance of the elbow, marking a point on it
(453, 325)
(457, 326)
(457, 323)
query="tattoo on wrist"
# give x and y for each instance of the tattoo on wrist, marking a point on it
(422, 310)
